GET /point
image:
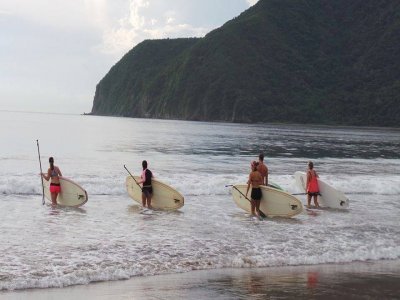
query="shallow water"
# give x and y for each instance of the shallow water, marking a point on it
(110, 239)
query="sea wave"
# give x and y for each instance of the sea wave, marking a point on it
(84, 273)
(201, 184)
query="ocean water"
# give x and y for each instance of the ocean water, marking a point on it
(110, 239)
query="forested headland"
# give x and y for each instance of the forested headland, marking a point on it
(304, 61)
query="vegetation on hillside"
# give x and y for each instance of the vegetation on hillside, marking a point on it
(303, 61)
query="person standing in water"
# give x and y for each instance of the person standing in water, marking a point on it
(53, 174)
(312, 185)
(263, 169)
(255, 180)
(147, 189)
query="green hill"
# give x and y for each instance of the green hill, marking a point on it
(292, 61)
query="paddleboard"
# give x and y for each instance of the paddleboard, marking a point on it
(274, 202)
(164, 196)
(330, 197)
(72, 194)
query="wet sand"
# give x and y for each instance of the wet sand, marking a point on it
(364, 280)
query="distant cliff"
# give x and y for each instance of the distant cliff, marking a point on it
(321, 61)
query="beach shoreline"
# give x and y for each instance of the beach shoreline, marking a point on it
(357, 280)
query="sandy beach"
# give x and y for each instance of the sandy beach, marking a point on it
(364, 280)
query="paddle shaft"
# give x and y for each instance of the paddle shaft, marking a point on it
(41, 172)
(133, 177)
(263, 215)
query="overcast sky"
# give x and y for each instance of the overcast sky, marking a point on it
(54, 52)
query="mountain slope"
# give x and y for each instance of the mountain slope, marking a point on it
(304, 61)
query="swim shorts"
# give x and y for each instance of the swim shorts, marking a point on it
(313, 194)
(147, 191)
(256, 194)
(55, 188)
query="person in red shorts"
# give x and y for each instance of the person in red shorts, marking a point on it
(53, 174)
(312, 185)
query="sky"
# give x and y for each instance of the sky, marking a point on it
(54, 52)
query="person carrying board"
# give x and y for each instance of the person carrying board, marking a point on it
(53, 174)
(263, 169)
(147, 189)
(312, 185)
(255, 180)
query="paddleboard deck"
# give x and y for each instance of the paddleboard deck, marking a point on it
(329, 196)
(274, 202)
(72, 194)
(164, 196)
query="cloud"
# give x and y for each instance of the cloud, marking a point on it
(4, 13)
(156, 19)
(145, 20)
(55, 52)
(252, 2)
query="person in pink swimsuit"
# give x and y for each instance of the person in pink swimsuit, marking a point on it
(147, 188)
(54, 174)
(312, 185)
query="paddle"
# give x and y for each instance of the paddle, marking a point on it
(41, 177)
(261, 213)
(133, 177)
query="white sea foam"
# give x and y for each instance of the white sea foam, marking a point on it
(203, 184)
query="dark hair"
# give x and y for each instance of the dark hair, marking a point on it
(261, 156)
(51, 161)
(144, 164)
(310, 165)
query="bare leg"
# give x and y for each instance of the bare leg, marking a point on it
(54, 198)
(143, 200)
(308, 200)
(253, 207)
(258, 202)
(316, 201)
(149, 201)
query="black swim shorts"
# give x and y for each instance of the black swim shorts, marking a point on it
(147, 191)
(313, 194)
(256, 194)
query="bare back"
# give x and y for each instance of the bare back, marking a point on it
(263, 169)
(255, 179)
(54, 175)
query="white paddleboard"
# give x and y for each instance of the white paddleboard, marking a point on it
(164, 196)
(274, 202)
(330, 197)
(72, 194)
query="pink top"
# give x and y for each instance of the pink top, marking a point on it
(143, 176)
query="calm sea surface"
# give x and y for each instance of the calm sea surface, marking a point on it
(110, 239)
